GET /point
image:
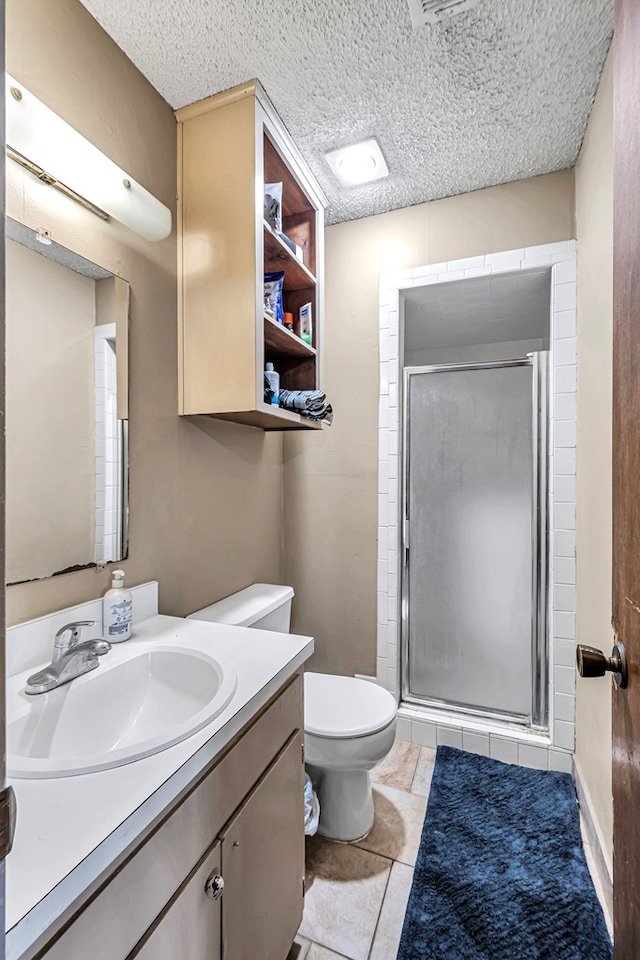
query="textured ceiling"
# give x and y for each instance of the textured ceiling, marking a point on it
(495, 94)
(478, 310)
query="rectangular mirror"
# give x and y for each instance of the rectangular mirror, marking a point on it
(66, 409)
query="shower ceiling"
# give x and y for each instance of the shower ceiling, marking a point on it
(500, 92)
(478, 310)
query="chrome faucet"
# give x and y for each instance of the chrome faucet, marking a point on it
(70, 659)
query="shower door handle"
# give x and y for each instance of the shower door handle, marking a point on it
(593, 663)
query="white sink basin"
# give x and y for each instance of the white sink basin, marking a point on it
(141, 702)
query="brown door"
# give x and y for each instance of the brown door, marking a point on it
(626, 476)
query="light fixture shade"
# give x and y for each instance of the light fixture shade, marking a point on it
(41, 136)
(358, 163)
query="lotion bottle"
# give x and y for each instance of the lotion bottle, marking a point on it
(117, 610)
(273, 380)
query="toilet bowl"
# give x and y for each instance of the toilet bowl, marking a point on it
(349, 724)
(349, 727)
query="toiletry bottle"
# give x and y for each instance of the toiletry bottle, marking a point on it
(273, 380)
(117, 614)
(306, 324)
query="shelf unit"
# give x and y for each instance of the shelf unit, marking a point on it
(229, 146)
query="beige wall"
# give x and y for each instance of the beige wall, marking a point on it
(330, 488)
(206, 497)
(50, 316)
(594, 223)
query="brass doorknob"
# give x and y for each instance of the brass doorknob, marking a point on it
(593, 663)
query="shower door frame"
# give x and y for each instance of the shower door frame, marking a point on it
(539, 713)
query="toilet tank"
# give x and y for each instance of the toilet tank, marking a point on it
(265, 606)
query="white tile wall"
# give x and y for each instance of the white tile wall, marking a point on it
(560, 760)
(504, 750)
(476, 743)
(449, 737)
(564, 679)
(107, 540)
(424, 734)
(531, 748)
(531, 755)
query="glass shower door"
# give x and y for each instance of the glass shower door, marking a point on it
(470, 598)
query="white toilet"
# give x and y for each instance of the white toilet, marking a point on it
(349, 724)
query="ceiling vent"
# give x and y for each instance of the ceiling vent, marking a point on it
(434, 11)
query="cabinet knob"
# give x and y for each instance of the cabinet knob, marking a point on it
(214, 886)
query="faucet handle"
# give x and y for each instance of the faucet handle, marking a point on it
(60, 644)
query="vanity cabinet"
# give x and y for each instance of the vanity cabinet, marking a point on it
(258, 909)
(229, 146)
(190, 927)
(261, 865)
(243, 820)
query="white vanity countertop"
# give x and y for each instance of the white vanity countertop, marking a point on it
(71, 829)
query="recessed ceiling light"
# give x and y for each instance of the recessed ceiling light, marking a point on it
(435, 11)
(359, 163)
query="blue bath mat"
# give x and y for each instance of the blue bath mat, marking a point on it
(501, 873)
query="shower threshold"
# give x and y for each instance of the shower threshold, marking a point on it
(450, 718)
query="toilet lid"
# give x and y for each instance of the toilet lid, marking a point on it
(345, 707)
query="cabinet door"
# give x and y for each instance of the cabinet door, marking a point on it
(263, 864)
(189, 928)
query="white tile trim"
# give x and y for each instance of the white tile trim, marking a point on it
(561, 257)
(108, 449)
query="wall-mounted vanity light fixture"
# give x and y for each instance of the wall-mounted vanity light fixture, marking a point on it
(47, 146)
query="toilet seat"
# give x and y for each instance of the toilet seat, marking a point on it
(344, 707)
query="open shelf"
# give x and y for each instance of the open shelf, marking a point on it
(294, 420)
(225, 340)
(298, 212)
(270, 417)
(278, 256)
(283, 342)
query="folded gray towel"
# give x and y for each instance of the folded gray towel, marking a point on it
(308, 403)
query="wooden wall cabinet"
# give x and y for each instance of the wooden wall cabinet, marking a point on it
(229, 146)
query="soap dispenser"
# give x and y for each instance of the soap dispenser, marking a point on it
(117, 610)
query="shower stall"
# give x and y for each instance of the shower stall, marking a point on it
(475, 538)
(474, 494)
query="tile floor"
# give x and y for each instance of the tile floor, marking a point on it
(357, 893)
